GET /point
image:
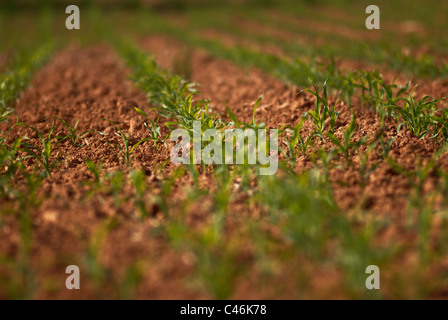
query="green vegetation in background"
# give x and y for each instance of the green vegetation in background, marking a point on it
(367, 85)
(28, 53)
(387, 50)
(173, 95)
(13, 81)
(302, 206)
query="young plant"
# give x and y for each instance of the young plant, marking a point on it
(379, 95)
(346, 83)
(385, 146)
(325, 158)
(154, 129)
(254, 125)
(296, 141)
(41, 155)
(416, 179)
(74, 137)
(442, 124)
(139, 183)
(127, 149)
(172, 94)
(364, 169)
(346, 144)
(93, 246)
(116, 184)
(322, 111)
(244, 125)
(95, 169)
(418, 116)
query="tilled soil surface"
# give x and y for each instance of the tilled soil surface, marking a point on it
(86, 84)
(90, 83)
(227, 85)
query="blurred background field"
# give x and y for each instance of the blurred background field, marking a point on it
(412, 36)
(285, 235)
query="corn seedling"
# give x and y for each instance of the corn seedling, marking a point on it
(95, 169)
(154, 129)
(303, 208)
(325, 158)
(254, 125)
(130, 281)
(73, 136)
(22, 279)
(364, 170)
(43, 156)
(346, 146)
(418, 116)
(442, 124)
(296, 141)
(216, 257)
(139, 183)
(127, 149)
(95, 269)
(416, 179)
(243, 125)
(172, 95)
(116, 184)
(322, 111)
(385, 146)
(347, 84)
(379, 95)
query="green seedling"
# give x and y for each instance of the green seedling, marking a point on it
(418, 116)
(346, 146)
(22, 278)
(364, 170)
(442, 124)
(33, 182)
(416, 179)
(163, 199)
(127, 149)
(296, 141)
(5, 115)
(385, 146)
(3, 118)
(215, 253)
(325, 158)
(378, 95)
(154, 129)
(73, 136)
(95, 169)
(244, 125)
(172, 95)
(139, 183)
(254, 125)
(9, 164)
(43, 156)
(130, 281)
(322, 111)
(95, 269)
(346, 83)
(116, 184)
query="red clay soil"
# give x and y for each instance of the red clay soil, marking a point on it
(227, 85)
(90, 83)
(87, 84)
